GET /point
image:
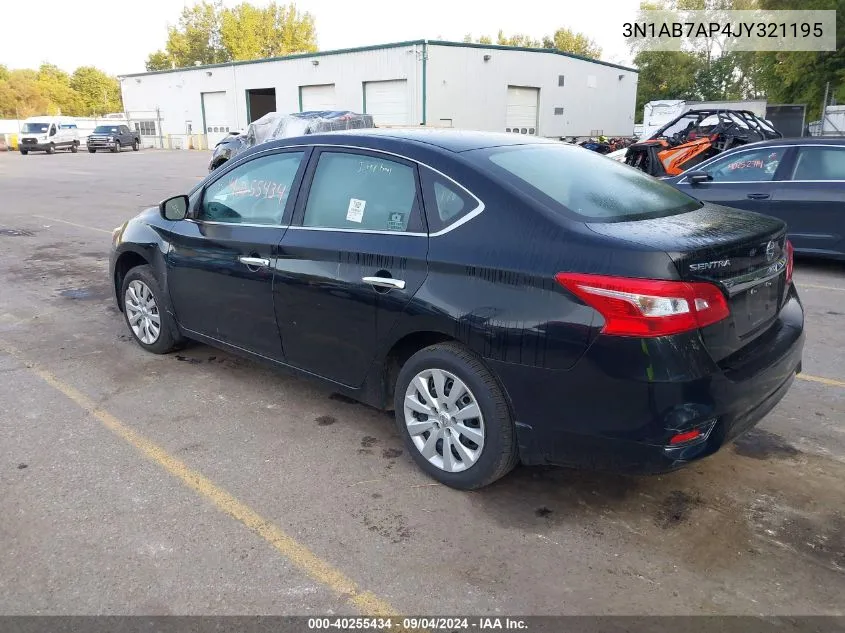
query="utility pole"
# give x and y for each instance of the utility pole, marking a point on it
(824, 107)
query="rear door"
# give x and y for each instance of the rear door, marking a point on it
(811, 199)
(354, 257)
(743, 180)
(221, 259)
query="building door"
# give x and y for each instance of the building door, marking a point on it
(387, 101)
(521, 112)
(215, 120)
(316, 98)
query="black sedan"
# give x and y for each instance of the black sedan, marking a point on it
(799, 180)
(511, 299)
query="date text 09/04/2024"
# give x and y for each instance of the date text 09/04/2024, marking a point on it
(416, 624)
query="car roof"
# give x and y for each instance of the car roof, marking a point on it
(795, 140)
(450, 140)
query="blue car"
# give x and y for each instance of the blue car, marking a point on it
(798, 180)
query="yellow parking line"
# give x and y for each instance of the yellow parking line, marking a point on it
(297, 554)
(816, 287)
(830, 382)
(81, 226)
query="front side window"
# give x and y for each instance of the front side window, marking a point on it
(820, 163)
(573, 180)
(253, 193)
(757, 165)
(356, 191)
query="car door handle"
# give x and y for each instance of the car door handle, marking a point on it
(385, 282)
(759, 196)
(255, 262)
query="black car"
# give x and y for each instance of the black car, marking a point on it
(800, 181)
(113, 138)
(226, 148)
(512, 299)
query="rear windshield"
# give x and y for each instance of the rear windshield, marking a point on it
(584, 183)
(35, 128)
(105, 129)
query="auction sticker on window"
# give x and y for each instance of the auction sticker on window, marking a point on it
(355, 212)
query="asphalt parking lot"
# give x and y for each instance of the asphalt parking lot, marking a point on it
(200, 483)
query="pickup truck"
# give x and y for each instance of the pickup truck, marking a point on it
(113, 138)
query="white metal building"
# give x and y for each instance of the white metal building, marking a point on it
(423, 82)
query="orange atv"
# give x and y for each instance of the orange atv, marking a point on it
(695, 136)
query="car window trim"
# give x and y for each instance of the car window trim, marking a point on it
(287, 215)
(705, 165)
(479, 209)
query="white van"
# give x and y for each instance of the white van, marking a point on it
(47, 134)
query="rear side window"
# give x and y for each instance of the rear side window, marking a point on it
(445, 202)
(820, 163)
(592, 187)
(358, 191)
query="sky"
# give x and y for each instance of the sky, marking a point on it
(141, 26)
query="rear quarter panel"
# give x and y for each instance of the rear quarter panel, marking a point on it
(491, 284)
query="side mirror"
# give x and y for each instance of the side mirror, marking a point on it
(698, 177)
(52, 131)
(175, 208)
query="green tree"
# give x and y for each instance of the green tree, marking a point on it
(801, 77)
(517, 39)
(98, 92)
(195, 38)
(54, 84)
(21, 96)
(665, 75)
(563, 39)
(208, 33)
(568, 41)
(160, 60)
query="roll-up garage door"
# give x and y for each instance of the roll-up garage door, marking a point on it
(521, 114)
(314, 98)
(387, 101)
(214, 112)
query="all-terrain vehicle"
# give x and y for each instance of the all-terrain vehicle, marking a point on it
(695, 136)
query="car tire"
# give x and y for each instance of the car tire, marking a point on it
(24, 152)
(74, 147)
(51, 149)
(138, 286)
(116, 147)
(136, 146)
(91, 150)
(467, 468)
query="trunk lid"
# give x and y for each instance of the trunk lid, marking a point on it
(743, 253)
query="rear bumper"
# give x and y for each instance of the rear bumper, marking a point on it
(618, 407)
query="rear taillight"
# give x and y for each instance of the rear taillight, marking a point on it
(790, 261)
(648, 307)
